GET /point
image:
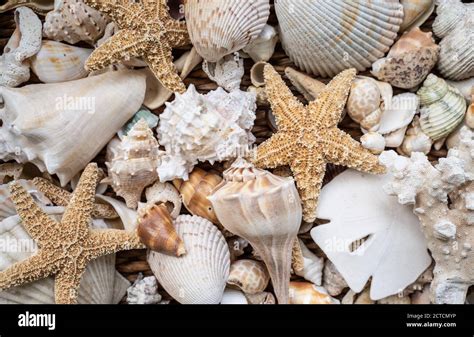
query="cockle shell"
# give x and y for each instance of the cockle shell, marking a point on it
(39, 6)
(59, 62)
(263, 47)
(24, 43)
(211, 127)
(265, 210)
(195, 191)
(227, 72)
(442, 107)
(326, 37)
(249, 275)
(73, 21)
(135, 164)
(415, 13)
(409, 60)
(74, 120)
(308, 293)
(164, 193)
(306, 85)
(199, 276)
(220, 27)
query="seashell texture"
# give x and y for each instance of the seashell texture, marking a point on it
(74, 120)
(312, 265)
(73, 21)
(227, 72)
(156, 230)
(409, 60)
(415, 12)
(143, 291)
(220, 27)
(39, 6)
(199, 276)
(333, 281)
(263, 47)
(326, 37)
(265, 210)
(249, 275)
(211, 127)
(415, 140)
(12, 170)
(464, 87)
(308, 293)
(195, 191)
(256, 74)
(306, 85)
(261, 298)
(24, 43)
(135, 164)
(233, 296)
(150, 118)
(454, 24)
(374, 142)
(164, 193)
(59, 62)
(442, 107)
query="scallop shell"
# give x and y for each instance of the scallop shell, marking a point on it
(39, 6)
(134, 167)
(416, 12)
(249, 275)
(326, 37)
(198, 277)
(101, 284)
(220, 27)
(442, 107)
(409, 61)
(59, 62)
(73, 21)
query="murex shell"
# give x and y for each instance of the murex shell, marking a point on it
(62, 127)
(326, 37)
(199, 276)
(442, 107)
(220, 27)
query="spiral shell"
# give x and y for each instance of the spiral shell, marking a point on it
(220, 27)
(164, 193)
(199, 276)
(249, 275)
(327, 37)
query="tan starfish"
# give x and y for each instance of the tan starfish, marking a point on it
(146, 30)
(308, 137)
(67, 247)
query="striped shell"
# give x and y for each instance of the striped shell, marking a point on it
(198, 277)
(326, 37)
(442, 107)
(220, 27)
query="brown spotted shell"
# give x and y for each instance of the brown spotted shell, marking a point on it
(249, 275)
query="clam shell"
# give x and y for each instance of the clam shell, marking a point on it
(59, 62)
(220, 27)
(327, 37)
(198, 277)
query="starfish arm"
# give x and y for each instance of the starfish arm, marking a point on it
(36, 222)
(108, 241)
(158, 8)
(274, 152)
(341, 149)
(32, 269)
(308, 169)
(68, 281)
(327, 109)
(160, 61)
(117, 10)
(123, 45)
(177, 33)
(288, 111)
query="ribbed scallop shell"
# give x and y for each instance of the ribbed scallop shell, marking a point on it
(59, 62)
(326, 37)
(220, 27)
(199, 276)
(442, 107)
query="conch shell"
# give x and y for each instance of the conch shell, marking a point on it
(265, 210)
(74, 120)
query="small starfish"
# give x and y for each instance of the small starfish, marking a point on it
(146, 30)
(67, 247)
(308, 137)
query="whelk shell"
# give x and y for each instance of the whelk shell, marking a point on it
(249, 275)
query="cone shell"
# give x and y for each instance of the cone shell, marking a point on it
(442, 107)
(59, 62)
(199, 276)
(249, 275)
(265, 210)
(195, 191)
(156, 231)
(220, 27)
(326, 37)
(308, 293)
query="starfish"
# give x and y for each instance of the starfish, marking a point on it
(67, 247)
(308, 137)
(146, 30)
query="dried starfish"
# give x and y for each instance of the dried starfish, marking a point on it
(308, 137)
(146, 30)
(67, 247)
(61, 197)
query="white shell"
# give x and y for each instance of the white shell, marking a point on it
(373, 141)
(227, 72)
(326, 37)
(144, 291)
(232, 296)
(212, 127)
(24, 43)
(312, 265)
(59, 62)
(220, 27)
(415, 140)
(199, 276)
(164, 193)
(464, 87)
(263, 47)
(399, 112)
(74, 120)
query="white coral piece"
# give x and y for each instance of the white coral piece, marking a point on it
(227, 72)
(144, 291)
